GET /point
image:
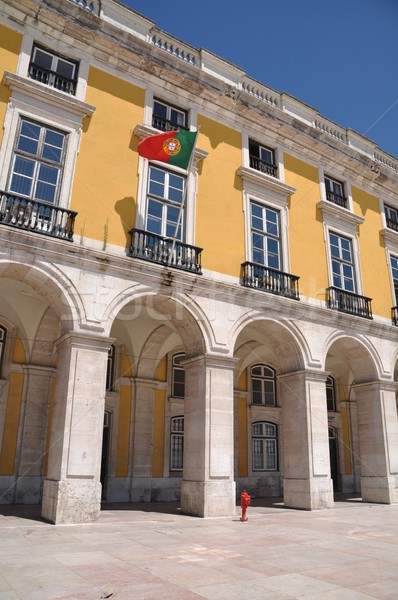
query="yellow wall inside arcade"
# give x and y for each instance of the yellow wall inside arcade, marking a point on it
(10, 48)
(219, 214)
(106, 179)
(372, 253)
(306, 241)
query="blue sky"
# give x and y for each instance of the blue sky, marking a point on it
(339, 56)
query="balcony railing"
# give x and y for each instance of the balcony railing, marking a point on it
(165, 125)
(336, 198)
(350, 303)
(260, 277)
(38, 217)
(392, 223)
(263, 166)
(394, 315)
(165, 251)
(52, 79)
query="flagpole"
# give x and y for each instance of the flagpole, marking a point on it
(183, 201)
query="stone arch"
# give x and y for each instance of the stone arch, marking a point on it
(52, 286)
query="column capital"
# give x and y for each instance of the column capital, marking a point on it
(307, 374)
(85, 340)
(218, 361)
(388, 386)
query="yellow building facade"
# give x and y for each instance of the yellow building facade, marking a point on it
(183, 334)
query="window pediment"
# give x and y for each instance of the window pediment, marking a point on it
(339, 217)
(47, 95)
(251, 177)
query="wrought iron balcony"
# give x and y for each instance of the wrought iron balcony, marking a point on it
(165, 125)
(263, 166)
(165, 251)
(38, 217)
(392, 223)
(263, 278)
(52, 79)
(350, 303)
(336, 198)
(394, 315)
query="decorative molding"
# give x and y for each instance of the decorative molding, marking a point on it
(47, 94)
(338, 215)
(275, 185)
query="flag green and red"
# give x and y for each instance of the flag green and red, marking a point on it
(172, 147)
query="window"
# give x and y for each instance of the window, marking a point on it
(110, 371)
(176, 443)
(178, 377)
(265, 446)
(335, 192)
(165, 197)
(3, 333)
(262, 159)
(391, 217)
(263, 385)
(330, 394)
(53, 70)
(167, 117)
(342, 262)
(37, 162)
(265, 236)
(394, 272)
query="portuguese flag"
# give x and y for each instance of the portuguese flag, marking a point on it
(172, 147)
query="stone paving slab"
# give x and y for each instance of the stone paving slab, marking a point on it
(148, 552)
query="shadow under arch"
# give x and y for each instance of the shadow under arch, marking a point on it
(355, 353)
(179, 315)
(257, 332)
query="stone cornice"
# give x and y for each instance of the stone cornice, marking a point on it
(389, 235)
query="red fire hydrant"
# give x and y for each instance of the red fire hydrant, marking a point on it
(244, 503)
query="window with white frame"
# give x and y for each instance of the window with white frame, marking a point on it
(262, 158)
(394, 273)
(391, 217)
(3, 334)
(165, 211)
(335, 192)
(167, 117)
(176, 443)
(263, 385)
(264, 446)
(178, 376)
(343, 273)
(53, 69)
(37, 163)
(265, 235)
(330, 394)
(110, 371)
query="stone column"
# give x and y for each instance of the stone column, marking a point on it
(141, 482)
(307, 483)
(378, 441)
(208, 486)
(32, 440)
(72, 490)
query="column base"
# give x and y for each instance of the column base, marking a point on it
(308, 494)
(208, 498)
(382, 490)
(71, 501)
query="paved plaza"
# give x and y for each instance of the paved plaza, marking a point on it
(153, 551)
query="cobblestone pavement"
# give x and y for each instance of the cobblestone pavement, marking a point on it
(143, 552)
